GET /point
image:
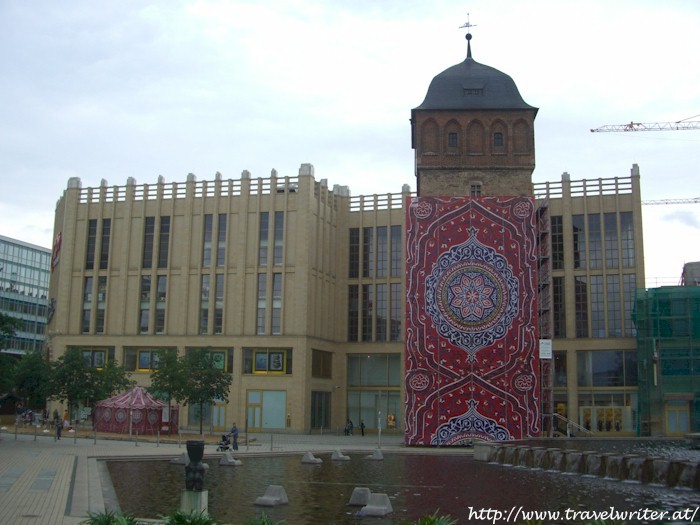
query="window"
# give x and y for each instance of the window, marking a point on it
(581, 305)
(559, 307)
(204, 305)
(149, 232)
(162, 286)
(597, 306)
(367, 311)
(321, 364)
(263, 238)
(498, 139)
(87, 305)
(221, 241)
(630, 293)
(144, 359)
(557, 236)
(374, 370)
(367, 252)
(279, 238)
(262, 304)
(91, 243)
(267, 361)
(101, 305)
(354, 254)
(104, 244)
(163, 242)
(382, 311)
(353, 311)
(627, 239)
(96, 356)
(595, 244)
(579, 237)
(276, 321)
(559, 369)
(611, 250)
(221, 358)
(219, 305)
(607, 368)
(382, 251)
(475, 189)
(452, 140)
(145, 305)
(207, 235)
(397, 306)
(614, 306)
(397, 269)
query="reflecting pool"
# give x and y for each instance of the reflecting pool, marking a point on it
(416, 485)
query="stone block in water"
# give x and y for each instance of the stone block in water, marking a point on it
(484, 451)
(339, 456)
(687, 475)
(228, 460)
(376, 455)
(182, 459)
(274, 495)
(360, 496)
(660, 471)
(378, 505)
(310, 458)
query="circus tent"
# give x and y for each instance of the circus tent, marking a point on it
(135, 412)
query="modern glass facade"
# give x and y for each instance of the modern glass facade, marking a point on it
(24, 288)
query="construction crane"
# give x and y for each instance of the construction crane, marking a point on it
(695, 200)
(685, 124)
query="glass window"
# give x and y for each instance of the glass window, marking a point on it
(382, 251)
(475, 190)
(262, 304)
(452, 139)
(163, 242)
(382, 311)
(611, 249)
(321, 364)
(221, 241)
(397, 269)
(627, 239)
(219, 305)
(560, 369)
(614, 306)
(207, 234)
(279, 238)
(557, 237)
(367, 311)
(397, 306)
(204, 305)
(269, 361)
(149, 230)
(367, 252)
(581, 304)
(597, 300)
(276, 321)
(104, 245)
(353, 312)
(559, 307)
(263, 238)
(498, 139)
(91, 243)
(354, 253)
(579, 238)
(595, 245)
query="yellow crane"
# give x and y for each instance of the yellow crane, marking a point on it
(685, 124)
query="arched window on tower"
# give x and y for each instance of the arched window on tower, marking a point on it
(452, 140)
(498, 140)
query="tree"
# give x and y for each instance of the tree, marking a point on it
(32, 379)
(8, 327)
(74, 380)
(204, 382)
(167, 380)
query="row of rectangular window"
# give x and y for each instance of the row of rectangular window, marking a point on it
(375, 252)
(593, 240)
(372, 316)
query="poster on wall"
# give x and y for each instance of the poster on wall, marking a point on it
(472, 364)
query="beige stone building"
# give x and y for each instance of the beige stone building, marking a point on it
(298, 290)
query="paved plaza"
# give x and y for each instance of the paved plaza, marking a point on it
(48, 482)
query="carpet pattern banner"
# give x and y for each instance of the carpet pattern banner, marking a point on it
(472, 367)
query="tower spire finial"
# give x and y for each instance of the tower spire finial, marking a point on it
(468, 36)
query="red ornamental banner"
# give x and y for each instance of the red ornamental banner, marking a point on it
(472, 369)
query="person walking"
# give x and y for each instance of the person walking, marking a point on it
(234, 436)
(362, 426)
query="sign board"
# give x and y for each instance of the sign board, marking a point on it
(545, 349)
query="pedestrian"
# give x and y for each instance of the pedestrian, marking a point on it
(362, 426)
(348, 427)
(59, 426)
(234, 436)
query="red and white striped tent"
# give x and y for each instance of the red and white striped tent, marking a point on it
(135, 412)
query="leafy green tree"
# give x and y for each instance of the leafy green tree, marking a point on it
(8, 327)
(74, 380)
(167, 380)
(32, 379)
(203, 381)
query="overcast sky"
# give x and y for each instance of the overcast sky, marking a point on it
(117, 89)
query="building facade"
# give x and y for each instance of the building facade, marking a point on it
(301, 292)
(668, 335)
(24, 289)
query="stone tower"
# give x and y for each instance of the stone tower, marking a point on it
(473, 134)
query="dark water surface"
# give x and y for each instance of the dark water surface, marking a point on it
(416, 485)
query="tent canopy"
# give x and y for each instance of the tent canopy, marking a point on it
(136, 398)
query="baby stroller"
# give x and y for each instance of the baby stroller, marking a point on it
(224, 444)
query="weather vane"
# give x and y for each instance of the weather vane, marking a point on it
(468, 25)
